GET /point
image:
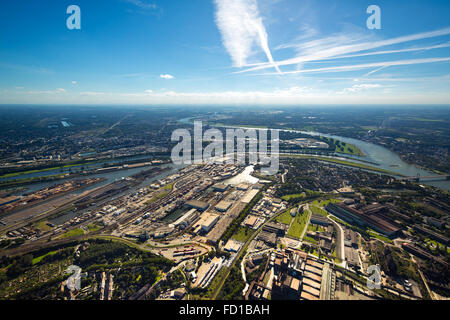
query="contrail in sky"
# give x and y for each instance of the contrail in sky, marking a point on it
(241, 27)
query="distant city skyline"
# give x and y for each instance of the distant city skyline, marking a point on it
(225, 52)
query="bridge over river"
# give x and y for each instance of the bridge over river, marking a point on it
(419, 178)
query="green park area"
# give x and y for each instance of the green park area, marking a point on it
(285, 217)
(349, 149)
(242, 234)
(298, 225)
(294, 196)
(323, 203)
(318, 210)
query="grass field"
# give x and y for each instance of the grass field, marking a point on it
(433, 245)
(309, 239)
(151, 201)
(294, 196)
(42, 225)
(315, 228)
(168, 186)
(351, 150)
(93, 227)
(318, 210)
(285, 217)
(38, 259)
(298, 225)
(73, 233)
(379, 236)
(323, 203)
(242, 234)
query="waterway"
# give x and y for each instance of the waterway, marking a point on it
(244, 177)
(77, 168)
(113, 176)
(109, 176)
(381, 157)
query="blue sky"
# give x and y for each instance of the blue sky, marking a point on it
(225, 51)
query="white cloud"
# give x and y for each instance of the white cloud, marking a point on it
(241, 27)
(319, 49)
(148, 91)
(361, 87)
(74, 82)
(444, 45)
(369, 65)
(91, 93)
(290, 95)
(143, 4)
(56, 91)
(294, 95)
(166, 76)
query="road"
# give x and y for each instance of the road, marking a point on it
(432, 296)
(243, 249)
(283, 176)
(340, 252)
(243, 267)
(307, 223)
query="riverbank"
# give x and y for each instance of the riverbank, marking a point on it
(99, 169)
(64, 165)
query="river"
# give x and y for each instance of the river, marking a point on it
(109, 176)
(381, 157)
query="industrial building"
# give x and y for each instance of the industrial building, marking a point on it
(243, 187)
(365, 217)
(251, 221)
(206, 222)
(350, 238)
(433, 235)
(293, 212)
(223, 206)
(162, 232)
(199, 205)
(277, 228)
(8, 200)
(319, 220)
(186, 219)
(249, 195)
(298, 276)
(232, 246)
(220, 187)
(352, 257)
(423, 254)
(209, 223)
